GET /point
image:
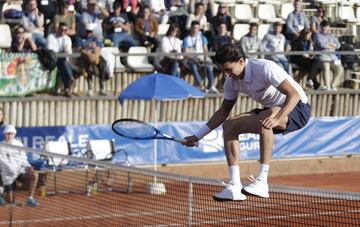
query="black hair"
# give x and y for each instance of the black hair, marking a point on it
(229, 53)
(195, 22)
(62, 24)
(173, 27)
(253, 25)
(324, 23)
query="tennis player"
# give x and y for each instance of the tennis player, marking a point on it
(285, 109)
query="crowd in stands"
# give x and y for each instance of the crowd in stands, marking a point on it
(85, 26)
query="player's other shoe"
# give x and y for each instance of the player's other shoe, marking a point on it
(2, 201)
(257, 187)
(31, 202)
(230, 193)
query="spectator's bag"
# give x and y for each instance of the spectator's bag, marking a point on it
(47, 59)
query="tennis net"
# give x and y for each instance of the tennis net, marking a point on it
(86, 192)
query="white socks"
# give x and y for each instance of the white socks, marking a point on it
(234, 173)
(263, 173)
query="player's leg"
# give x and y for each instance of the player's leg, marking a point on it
(243, 123)
(259, 184)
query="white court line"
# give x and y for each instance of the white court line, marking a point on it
(196, 210)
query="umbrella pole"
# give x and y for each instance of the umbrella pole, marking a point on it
(155, 187)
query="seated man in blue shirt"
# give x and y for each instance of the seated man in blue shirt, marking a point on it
(296, 21)
(326, 41)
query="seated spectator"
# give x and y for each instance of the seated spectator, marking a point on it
(131, 7)
(33, 22)
(197, 43)
(146, 29)
(118, 27)
(22, 43)
(91, 16)
(306, 62)
(49, 9)
(250, 42)
(316, 19)
(222, 17)
(209, 6)
(198, 15)
(170, 43)
(69, 18)
(326, 41)
(296, 21)
(59, 42)
(15, 167)
(158, 10)
(275, 41)
(222, 38)
(90, 60)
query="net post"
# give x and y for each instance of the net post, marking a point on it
(190, 200)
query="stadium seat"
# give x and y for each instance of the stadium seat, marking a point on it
(58, 147)
(239, 31)
(5, 37)
(243, 13)
(111, 55)
(263, 30)
(271, 2)
(266, 13)
(286, 9)
(101, 149)
(346, 13)
(139, 63)
(163, 28)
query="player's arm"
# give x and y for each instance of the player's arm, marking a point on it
(292, 98)
(215, 121)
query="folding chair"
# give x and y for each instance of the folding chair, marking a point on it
(104, 150)
(57, 147)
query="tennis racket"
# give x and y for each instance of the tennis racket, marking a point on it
(140, 130)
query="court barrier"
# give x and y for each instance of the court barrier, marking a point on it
(90, 193)
(57, 111)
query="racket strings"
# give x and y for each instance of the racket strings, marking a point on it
(134, 130)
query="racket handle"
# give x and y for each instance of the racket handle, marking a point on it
(180, 140)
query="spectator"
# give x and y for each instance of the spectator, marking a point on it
(92, 17)
(209, 6)
(326, 41)
(306, 62)
(222, 17)
(22, 43)
(69, 18)
(90, 60)
(146, 29)
(222, 38)
(33, 22)
(15, 167)
(132, 9)
(296, 21)
(274, 41)
(158, 10)
(317, 19)
(199, 16)
(118, 27)
(170, 43)
(49, 9)
(196, 43)
(59, 42)
(250, 43)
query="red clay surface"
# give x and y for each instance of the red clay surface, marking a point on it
(139, 208)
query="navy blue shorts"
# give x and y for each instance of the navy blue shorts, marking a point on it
(297, 118)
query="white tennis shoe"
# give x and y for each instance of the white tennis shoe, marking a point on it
(257, 187)
(231, 192)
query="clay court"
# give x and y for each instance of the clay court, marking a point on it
(127, 203)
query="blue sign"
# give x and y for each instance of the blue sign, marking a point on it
(321, 137)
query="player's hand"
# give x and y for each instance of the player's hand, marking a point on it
(190, 141)
(270, 122)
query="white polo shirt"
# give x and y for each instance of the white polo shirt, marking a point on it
(260, 82)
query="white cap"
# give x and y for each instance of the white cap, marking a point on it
(90, 26)
(9, 129)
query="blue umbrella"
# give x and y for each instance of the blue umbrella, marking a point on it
(158, 86)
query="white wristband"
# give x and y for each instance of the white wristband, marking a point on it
(203, 131)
